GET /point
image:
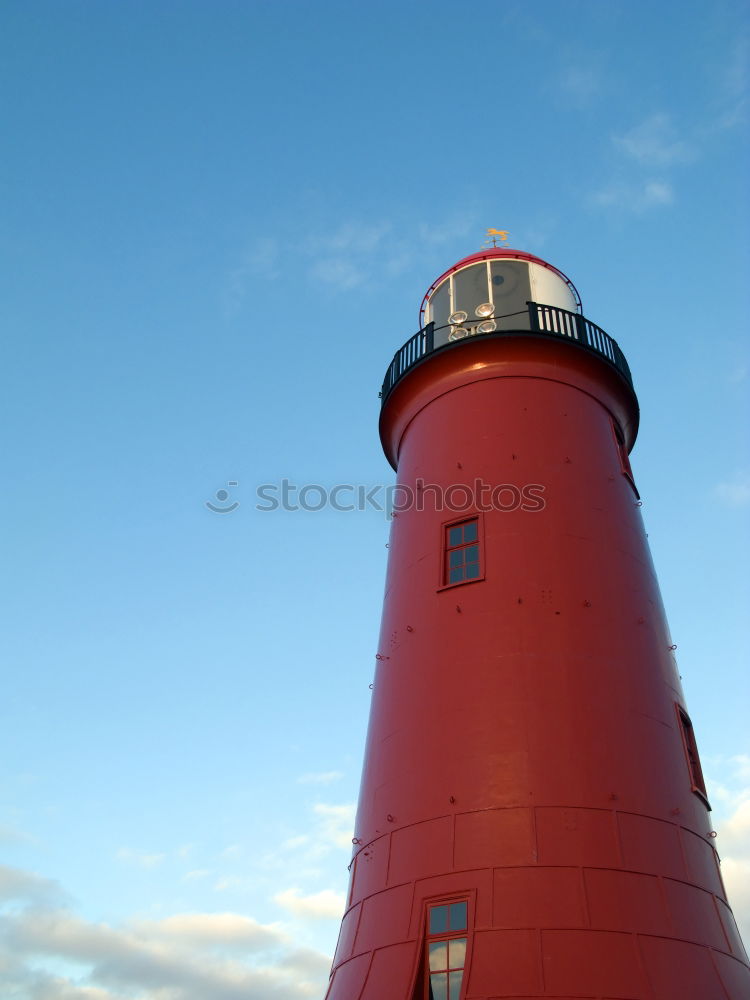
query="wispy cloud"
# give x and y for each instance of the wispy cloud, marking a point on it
(323, 905)
(196, 874)
(186, 956)
(578, 85)
(142, 859)
(735, 82)
(634, 197)
(655, 142)
(646, 155)
(335, 825)
(734, 492)
(320, 777)
(10, 835)
(261, 262)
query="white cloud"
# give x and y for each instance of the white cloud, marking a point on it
(261, 262)
(338, 271)
(578, 85)
(195, 874)
(733, 843)
(634, 197)
(142, 859)
(10, 835)
(655, 142)
(731, 800)
(734, 492)
(186, 956)
(320, 778)
(323, 905)
(335, 825)
(16, 884)
(458, 227)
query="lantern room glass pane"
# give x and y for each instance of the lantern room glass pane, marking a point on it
(440, 305)
(455, 985)
(470, 288)
(510, 289)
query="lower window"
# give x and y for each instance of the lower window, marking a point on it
(446, 942)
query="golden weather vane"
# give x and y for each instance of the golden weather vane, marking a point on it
(493, 235)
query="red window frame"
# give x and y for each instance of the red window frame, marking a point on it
(450, 551)
(690, 747)
(622, 453)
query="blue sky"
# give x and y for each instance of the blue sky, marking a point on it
(218, 222)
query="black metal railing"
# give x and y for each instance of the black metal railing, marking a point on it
(549, 321)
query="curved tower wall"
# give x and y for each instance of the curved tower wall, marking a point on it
(530, 766)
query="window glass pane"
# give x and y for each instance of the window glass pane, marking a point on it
(455, 536)
(472, 571)
(470, 531)
(456, 953)
(439, 956)
(472, 553)
(456, 575)
(457, 917)
(456, 557)
(455, 990)
(439, 986)
(438, 919)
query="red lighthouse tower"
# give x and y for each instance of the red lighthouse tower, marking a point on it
(532, 819)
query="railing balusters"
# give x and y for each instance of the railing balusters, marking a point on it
(550, 321)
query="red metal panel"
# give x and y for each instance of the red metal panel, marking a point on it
(730, 929)
(578, 837)
(679, 969)
(495, 837)
(348, 931)
(370, 868)
(385, 919)
(651, 845)
(593, 963)
(694, 914)
(626, 901)
(507, 959)
(349, 979)
(702, 863)
(538, 897)
(420, 850)
(734, 975)
(390, 974)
